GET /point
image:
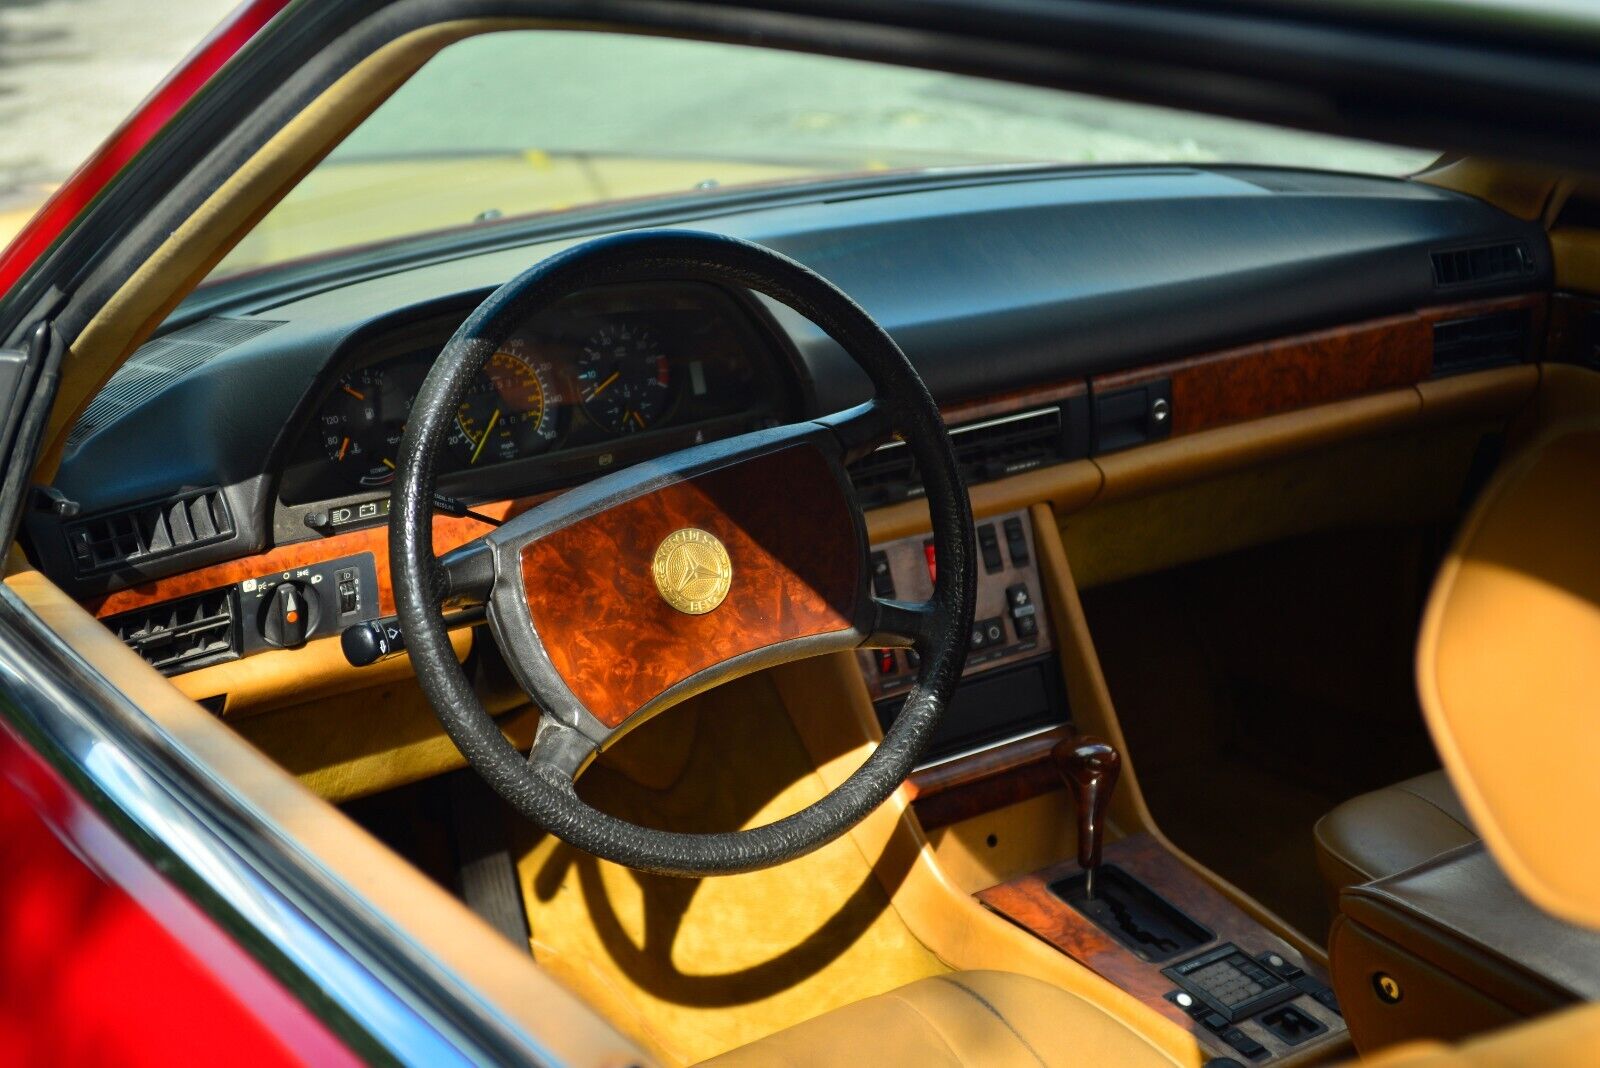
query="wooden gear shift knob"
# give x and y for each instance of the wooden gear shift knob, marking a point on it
(1089, 767)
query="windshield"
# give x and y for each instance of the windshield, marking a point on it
(538, 121)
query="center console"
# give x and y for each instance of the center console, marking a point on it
(1135, 914)
(1011, 687)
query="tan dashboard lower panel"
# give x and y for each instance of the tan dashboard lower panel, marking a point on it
(413, 905)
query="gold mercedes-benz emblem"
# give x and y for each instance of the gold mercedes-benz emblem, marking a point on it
(692, 571)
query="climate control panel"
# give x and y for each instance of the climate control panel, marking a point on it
(1009, 624)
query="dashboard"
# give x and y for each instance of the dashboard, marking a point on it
(602, 379)
(271, 422)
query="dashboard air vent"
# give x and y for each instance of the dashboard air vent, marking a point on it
(129, 536)
(161, 362)
(183, 634)
(1479, 341)
(1487, 263)
(986, 450)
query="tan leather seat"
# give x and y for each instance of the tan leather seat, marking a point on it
(1391, 830)
(963, 1018)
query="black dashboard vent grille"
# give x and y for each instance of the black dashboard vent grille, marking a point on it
(182, 634)
(986, 450)
(1486, 263)
(159, 363)
(112, 540)
(1479, 341)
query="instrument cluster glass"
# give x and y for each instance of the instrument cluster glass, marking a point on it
(581, 386)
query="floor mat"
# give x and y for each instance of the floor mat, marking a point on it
(1259, 690)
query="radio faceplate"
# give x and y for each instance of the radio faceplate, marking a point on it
(1010, 623)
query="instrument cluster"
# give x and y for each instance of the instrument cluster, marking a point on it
(604, 378)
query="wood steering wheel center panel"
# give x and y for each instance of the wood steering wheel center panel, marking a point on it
(794, 552)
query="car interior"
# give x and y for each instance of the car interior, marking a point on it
(1268, 491)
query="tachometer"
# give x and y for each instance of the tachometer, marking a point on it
(624, 379)
(508, 413)
(361, 423)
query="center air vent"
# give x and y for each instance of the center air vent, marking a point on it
(113, 540)
(179, 635)
(1487, 263)
(993, 448)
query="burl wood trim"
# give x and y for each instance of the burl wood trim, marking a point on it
(797, 572)
(1277, 376)
(1028, 903)
(994, 778)
(448, 533)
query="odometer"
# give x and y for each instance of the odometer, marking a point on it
(624, 379)
(508, 415)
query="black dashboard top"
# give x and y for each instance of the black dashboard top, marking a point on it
(988, 286)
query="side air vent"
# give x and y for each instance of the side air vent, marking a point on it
(986, 450)
(1479, 341)
(160, 363)
(179, 635)
(112, 540)
(1487, 263)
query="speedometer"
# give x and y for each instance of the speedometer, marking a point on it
(624, 379)
(508, 415)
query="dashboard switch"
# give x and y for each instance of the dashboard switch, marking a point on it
(367, 643)
(930, 554)
(882, 577)
(290, 616)
(887, 665)
(1016, 543)
(989, 546)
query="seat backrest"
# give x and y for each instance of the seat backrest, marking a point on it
(1508, 670)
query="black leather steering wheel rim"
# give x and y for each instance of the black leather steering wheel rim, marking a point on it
(537, 786)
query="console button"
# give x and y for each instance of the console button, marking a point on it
(882, 577)
(994, 631)
(1215, 1021)
(1019, 602)
(1244, 1043)
(886, 662)
(1016, 543)
(931, 555)
(989, 545)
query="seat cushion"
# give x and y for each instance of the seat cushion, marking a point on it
(962, 1018)
(1390, 830)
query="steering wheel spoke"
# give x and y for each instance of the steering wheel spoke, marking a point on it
(902, 624)
(466, 574)
(861, 430)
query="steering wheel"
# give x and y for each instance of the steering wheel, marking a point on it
(620, 598)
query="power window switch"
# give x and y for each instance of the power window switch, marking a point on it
(1016, 542)
(989, 546)
(1244, 1043)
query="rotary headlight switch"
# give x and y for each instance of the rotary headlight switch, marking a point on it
(290, 613)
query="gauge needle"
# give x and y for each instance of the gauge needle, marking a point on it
(637, 418)
(389, 464)
(344, 447)
(357, 394)
(602, 386)
(484, 437)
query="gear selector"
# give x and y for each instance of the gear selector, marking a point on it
(1115, 901)
(1090, 768)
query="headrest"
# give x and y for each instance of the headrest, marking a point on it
(1508, 669)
